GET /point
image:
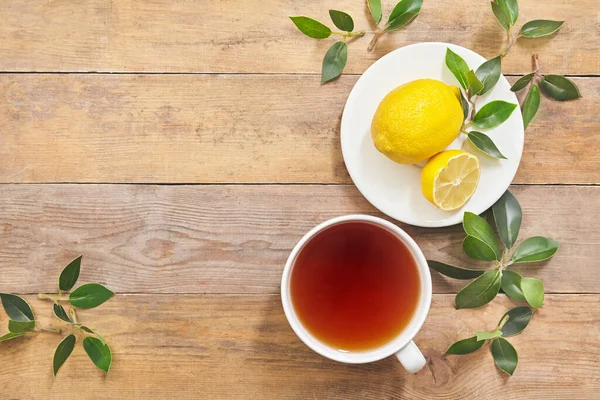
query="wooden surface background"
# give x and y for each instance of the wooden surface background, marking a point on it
(184, 146)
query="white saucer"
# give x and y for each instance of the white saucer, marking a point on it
(394, 188)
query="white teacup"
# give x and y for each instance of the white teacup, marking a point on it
(402, 346)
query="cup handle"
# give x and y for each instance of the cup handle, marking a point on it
(411, 357)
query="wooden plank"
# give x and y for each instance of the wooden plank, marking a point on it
(241, 347)
(234, 129)
(256, 36)
(236, 239)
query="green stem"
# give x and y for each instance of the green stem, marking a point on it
(374, 40)
(52, 297)
(349, 34)
(512, 39)
(73, 315)
(504, 321)
(50, 330)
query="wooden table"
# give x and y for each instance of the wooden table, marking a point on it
(183, 147)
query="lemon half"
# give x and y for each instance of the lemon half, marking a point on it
(450, 178)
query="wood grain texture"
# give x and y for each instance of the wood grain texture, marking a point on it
(256, 36)
(241, 347)
(236, 239)
(229, 129)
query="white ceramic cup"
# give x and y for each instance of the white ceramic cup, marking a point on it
(402, 346)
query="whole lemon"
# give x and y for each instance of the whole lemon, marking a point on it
(417, 120)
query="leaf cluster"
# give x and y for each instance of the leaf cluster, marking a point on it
(481, 243)
(513, 322)
(474, 83)
(90, 295)
(336, 57)
(556, 87)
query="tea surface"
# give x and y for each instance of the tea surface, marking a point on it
(355, 286)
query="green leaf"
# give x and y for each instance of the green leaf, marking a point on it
(404, 12)
(465, 346)
(518, 319)
(60, 313)
(479, 292)
(20, 327)
(559, 88)
(522, 82)
(90, 330)
(488, 335)
(311, 28)
(511, 9)
(342, 20)
(531, 105)
(11, 335)
(454, 272)
(489, 73)
(477, 249)
(485, 144)
(533, 290)
(539, 28)
(90, 295)
(16, 308)
(458, 67)
(479, 228)
(464, 104)
(69, 275)
(334, 61)
(493, 114)
(62, 352)
(475, 85)
(511, 285)
(505, 355)
(98, 352)
(508, 217)
(375, 9)
(535, 249)
(86, 329)
(501, 15)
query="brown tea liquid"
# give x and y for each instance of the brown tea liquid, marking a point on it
(355, 286)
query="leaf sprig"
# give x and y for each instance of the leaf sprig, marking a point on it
(556, 87)
(513, 322)
(403, 13)
(481, 244)
(477, 83)
(336, 57)
(507, 14)
(22, 321)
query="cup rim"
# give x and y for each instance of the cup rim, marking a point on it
(392, 346)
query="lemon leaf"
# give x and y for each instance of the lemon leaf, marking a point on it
(508, 216)
(311, 27)
(540, 27)
(480, 291)
(458, 67)
(522, 82)
(479, 229)
(531, 105)
(334, 61)
(559, 88)
(511, 285)
(505, 355)
(465, 346)
(375, 9)
(454, 272)
(485, 144)
(493, 114)
(342, 20)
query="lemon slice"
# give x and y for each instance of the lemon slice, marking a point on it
(450, 178)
